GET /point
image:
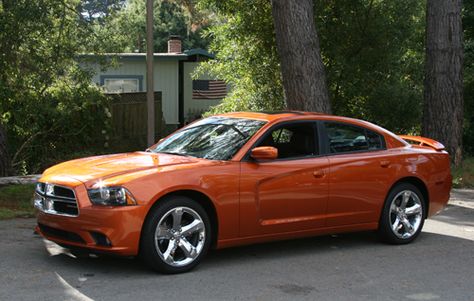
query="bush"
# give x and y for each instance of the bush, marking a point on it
(68, 120)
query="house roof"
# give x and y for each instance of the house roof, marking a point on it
(183, 56)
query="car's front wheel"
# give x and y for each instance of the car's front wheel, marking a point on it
(403, 214)
(176, 235)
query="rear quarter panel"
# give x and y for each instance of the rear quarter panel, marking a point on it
(431, 167)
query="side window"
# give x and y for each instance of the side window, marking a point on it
(374, 140)
(347, 138)
(292, 140)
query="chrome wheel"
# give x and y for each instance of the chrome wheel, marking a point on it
(406, 213)
(180, 236)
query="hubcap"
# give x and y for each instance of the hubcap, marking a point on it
(180, 236)
(406, 212)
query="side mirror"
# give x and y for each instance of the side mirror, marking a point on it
(264, 153)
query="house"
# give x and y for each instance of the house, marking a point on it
(183, 99)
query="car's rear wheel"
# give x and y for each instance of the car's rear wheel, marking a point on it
(176, 235)
(403, 214)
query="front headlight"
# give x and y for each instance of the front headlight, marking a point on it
(111, 196)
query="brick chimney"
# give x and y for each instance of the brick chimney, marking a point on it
(174, 44)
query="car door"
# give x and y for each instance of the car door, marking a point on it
(359, 173)
(289, 193)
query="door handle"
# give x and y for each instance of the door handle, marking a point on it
(318, 173)
(384, 163)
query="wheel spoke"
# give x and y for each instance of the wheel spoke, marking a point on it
(394, 208)
(405, 199)
(188, 249)
(168, 254)
(408, 227)
(396, 224)
(193, 227)
(415, 209)
(163, 233)
(177, 216)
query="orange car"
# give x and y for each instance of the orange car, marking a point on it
(244, 178)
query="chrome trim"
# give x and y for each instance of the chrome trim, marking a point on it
(62, 198)
(41, 196)
(37, 188)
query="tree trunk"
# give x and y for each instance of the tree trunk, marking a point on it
(4, 158)
(304, 77)
(443, 94)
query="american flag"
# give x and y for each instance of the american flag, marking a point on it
(209, 89)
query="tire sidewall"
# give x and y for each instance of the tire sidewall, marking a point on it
(147, 245)
(385, 228)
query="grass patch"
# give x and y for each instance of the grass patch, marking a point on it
(463, 175)
(15, 201)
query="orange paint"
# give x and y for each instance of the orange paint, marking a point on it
(254, 201)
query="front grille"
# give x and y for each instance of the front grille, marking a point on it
(61, 191)
(56, 199)
(61, 234)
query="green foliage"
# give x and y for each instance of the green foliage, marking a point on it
(66, 118)
(100, 10)
(463, 175)
(468, 24)
(47, 104)
(246, 55)
(170, 18)
(373, 52)
(372, 49)
(15, 201)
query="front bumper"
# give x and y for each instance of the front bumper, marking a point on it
(100, 229)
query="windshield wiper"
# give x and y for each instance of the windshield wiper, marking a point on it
(245, 136)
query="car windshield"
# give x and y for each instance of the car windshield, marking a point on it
(214, 138)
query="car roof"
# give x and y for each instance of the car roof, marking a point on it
(276, 116)
(272, 115)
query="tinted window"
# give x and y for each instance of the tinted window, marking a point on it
(348, 138)
(292, 140)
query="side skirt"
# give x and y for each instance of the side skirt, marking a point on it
(225, 243)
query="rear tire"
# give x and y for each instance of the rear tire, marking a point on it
(176, 235)
(403, 215)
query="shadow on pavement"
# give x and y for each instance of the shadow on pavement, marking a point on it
(457, 215)
(280, 251)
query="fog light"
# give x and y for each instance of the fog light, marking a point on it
(101, 239)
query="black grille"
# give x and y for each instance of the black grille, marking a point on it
(65, 235)
(64, 192)
(65, 207)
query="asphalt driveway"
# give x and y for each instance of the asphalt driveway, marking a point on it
(438, 266)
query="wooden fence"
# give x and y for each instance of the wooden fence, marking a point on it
(129, 121)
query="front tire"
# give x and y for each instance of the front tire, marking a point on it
(176, 235)
(403, 214)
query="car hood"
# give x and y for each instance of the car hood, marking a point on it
(103, 167)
